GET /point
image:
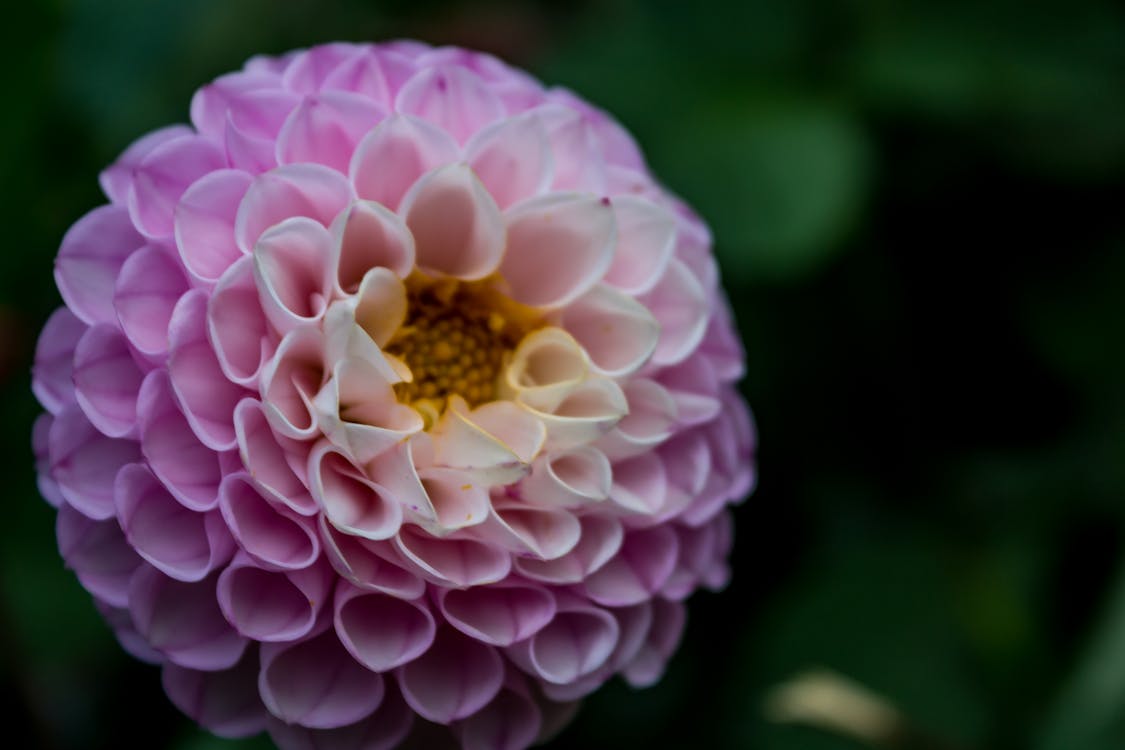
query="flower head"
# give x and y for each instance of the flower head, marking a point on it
(393, 387)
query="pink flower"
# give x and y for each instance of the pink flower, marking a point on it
(394, 386)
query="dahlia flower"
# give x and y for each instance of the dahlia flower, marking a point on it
(393, 387)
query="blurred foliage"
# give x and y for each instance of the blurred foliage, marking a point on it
(918, 212)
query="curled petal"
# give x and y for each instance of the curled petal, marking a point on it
(272, 605)
(456, 224)
(266, 459)
(190, 470)
(458, 561)
(495, 442)
(84, 462)
(545, 533)
(382, 571)
(646, 239)
(568, 479)
(500, 614)
(578, 640)
(237, 326)
(332, 689)
(106, 381)
(358, 412)
(599, 542)
(350, 501)
(617, 332)
(52, 378)
(208, 399)
(147, 290)
(455, 678)
(380, 305)
(98, 553)
(368, 236)
(226, 702)
(382, 632)
(275, 537)
(204, 223)
(183, 621)
(290, 381)
(325, 128)
(547, 365)
(453, 98)
(512, 158)
(90, 260)
(395, 154)
(587, 413)
(645, 561)
(680, 304)
(180, 543)
(450, 502)
(162, 177)
(291, 267)
(559, 245)
(310, 190)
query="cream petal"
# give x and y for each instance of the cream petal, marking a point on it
(381, 305)
(291, 267)
(366, 236)
(452, 502)
(559, 245)
(457, 226)
(396, 469)
(618, 333)
(646, 239)
(651, 420)
(512, 158)
(495, 442)
(345, 340)
(587, 413)
(546, 366)
(357, 411)
(395, 154)
(568, 479)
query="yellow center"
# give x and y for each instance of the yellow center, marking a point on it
(457, 339)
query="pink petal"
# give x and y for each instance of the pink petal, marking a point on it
(163, 176)
(395, 154)
(385, 729)
(272, 606)
(275, 537)
(500, 614)
(265, 458)
(511, 721)
(211, 103)
(366, 236)
(559, 245)
(317, 684)
(618, 333)
(98, 554)
(568, 479)
(599, 542)
(680, 304)
(189, 469)
(183, 621)
(512, 158)
(646, 559)
(455, 678)
(574, 146)
(290, 380)
(667, 628)
(40, 446)
(309, 190)
(236, 324)
(106, 381)
(225, 703)
(452, 98)
(180, 543)
(52, 378)
(90, 259)
(206, 396)
(354, 559)
(545, 533)
(361, 73)
(291, 267)
(117, 179)
(640, 484)
(693, 385)
(204, 223)
(150, 284)
(452, 502)
(85, 462)
(456, 224)
(382, 632)
(325, 128)
(350, 501)
(578, 640)
(646, 239)
(459, 561)
(310, 68)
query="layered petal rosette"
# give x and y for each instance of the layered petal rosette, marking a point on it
(393, 388)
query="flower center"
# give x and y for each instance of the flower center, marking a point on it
(457, 339)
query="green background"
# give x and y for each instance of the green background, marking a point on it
(919, 217)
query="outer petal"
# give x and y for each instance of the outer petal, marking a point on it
(680, 303)
(237, 326)
(382, 632)
(512, 158)
(599, 543)
(452, 98)
(150, 284)
(395, 154)
(325, 128)
(226, 703)
(265, 457)
(163, 176)
(85, 462)
(511, 721)
(455, 678)
(385, 729)
(617, 332)
(272, 606)
(90, 260)
(646, 239)
(106, 381)
(499, 614)
(458, 561)
(98, 554)
(559, 245)
(117, 179)
(645, 561)
(578, 640)
(354, 559)
(52, 377)
(204, 223)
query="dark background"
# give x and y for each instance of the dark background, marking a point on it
(918, 211)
